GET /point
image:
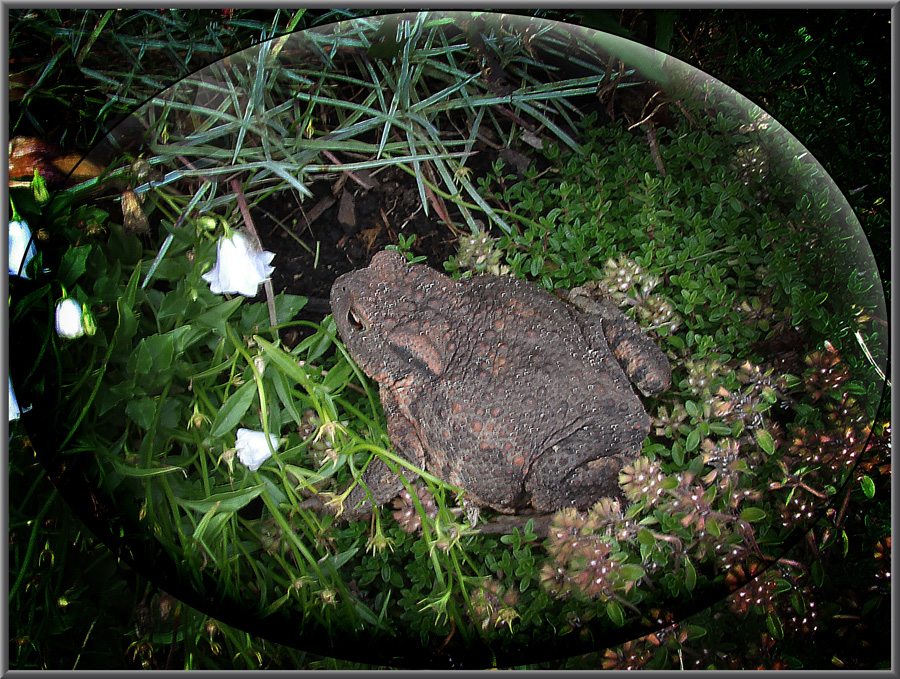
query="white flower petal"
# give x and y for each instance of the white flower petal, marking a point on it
(239, 268)
(68, 319)
(252, 449)
(21, 248)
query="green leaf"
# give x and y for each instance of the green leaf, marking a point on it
(818, 573)
(645, 537)
(530, 535)
(669, 483)
(693, 440)
(318, 344)
(140, 473)
(692, 409)
(690, 575)
(285, 362)
(170, 414)
(172, 306)
(126, 326)
(753, 514)
(73, 264)
(798, 56)
(215, 317)
(782, 586)
(765, 441)
(287, 306)
(142, 411)
(176, 269)
(696, 466)
(615, 613)
(310, 476)
(284, 395)
(125, 248)
(140, 360)
(694, 631)
(868, 486)
(634, 510)
(184, 336)
(665, 26)
(278, 603)
(233, 410)
(231, 501)
(153, 356)
(98, 29)
(338, 560)
(213, 519)
(774, 625)
(631, 572)
(678, 454)
(720, 428)
(338, 376)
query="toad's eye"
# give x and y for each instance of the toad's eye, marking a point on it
(353, 320)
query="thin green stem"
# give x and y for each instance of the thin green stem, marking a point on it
(37, 528)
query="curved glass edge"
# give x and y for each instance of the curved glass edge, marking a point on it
(849, 250)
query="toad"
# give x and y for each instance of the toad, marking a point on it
(494, 385)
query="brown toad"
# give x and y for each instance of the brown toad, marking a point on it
(496, 386)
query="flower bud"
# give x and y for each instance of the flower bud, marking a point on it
(207, 223)
(68, 319)
(88, 322)
(39, 186)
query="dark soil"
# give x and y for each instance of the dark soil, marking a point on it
(343, 225)
(351, 217)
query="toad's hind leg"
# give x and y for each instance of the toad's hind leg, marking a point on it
(608, 329)
(562, 477)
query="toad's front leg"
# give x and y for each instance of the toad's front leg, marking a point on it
(380, 483)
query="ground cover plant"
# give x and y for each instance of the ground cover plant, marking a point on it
(233, 521)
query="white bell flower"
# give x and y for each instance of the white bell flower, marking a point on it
(252, 448)
(14, 411)
(239, 267)
(68, 319)
(21, 248)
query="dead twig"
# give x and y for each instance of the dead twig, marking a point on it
(328, 154)
(436, 201)
(654, 148)
(649, 115)
(248, 222)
